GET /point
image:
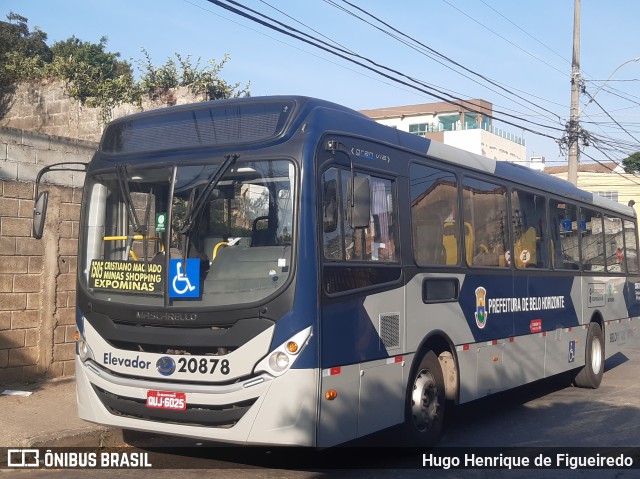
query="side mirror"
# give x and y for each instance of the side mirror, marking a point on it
(39, 214)
(359, 210)
(40, 207)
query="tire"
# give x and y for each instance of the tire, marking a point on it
(425, 403)
(590, 376)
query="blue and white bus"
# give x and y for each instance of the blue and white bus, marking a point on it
(283, 270)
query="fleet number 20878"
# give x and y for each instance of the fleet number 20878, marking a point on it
(203, 366)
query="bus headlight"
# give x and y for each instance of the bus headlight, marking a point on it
(279, 361)
(281, 358)
(84, 351)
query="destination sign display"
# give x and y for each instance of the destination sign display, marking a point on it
(126, 276)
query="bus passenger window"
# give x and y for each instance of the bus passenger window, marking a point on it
(591, 240)
(564, 235)
(485, 210)
(332, 244)
(434, 216)
(375, 242)
(382, 228)
(614, 244)
(529, 229)
(630, 246)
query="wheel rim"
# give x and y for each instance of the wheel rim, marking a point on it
(424, 401)
(596, 355)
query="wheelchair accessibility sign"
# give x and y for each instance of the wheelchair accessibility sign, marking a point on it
(184, 280)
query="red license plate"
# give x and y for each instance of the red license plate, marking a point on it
(167, 400)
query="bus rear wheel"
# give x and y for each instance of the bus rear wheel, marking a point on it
(590, 376)
(425, 406)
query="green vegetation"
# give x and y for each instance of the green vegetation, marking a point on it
(631, 164)
(97, 77)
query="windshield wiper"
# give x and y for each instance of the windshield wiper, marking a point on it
(196, 207)
(125, 193)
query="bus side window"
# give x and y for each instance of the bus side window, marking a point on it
(329, 206)
(341, 241)
(592, 245)
(333, 244)
(434, 215)
(485, 209)
(631, 246)
(529, 228)
(614, 244)
(564, 235)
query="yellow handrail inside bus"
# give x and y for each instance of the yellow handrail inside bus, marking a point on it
(135, 238)
(124, 237)
(216, 247)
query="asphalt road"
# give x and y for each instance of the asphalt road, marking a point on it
(544, 414)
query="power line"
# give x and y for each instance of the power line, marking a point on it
(504, 38)
(613, 119)
(305, 25)
(302, 50)
(429, 52)
(613, 80)
(425, 88)
(527, 33)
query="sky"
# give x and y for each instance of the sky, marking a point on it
(522, 48)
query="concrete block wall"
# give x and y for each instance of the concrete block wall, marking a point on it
(40, 127)
(37, 283)
(24, 153)
(38, 277)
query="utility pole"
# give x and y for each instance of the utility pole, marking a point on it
(574, 120)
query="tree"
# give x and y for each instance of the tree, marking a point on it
(98, 77)
(156, 81)
(15, 36)
(93, 75)
(631, 164)
(20, 47)
(92, 54)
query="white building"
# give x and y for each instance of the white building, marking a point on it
(467, 126)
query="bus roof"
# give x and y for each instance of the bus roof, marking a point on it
(273, 119)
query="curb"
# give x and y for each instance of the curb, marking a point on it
(94, 436)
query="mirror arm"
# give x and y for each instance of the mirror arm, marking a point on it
(40, 205)
(77, 166)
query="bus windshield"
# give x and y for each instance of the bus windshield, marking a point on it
(228, 226)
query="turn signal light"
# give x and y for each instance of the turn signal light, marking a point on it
(331, 394)
(292, 347)
(76, 335)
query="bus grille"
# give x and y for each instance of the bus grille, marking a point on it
(224, 416)
(389, 330)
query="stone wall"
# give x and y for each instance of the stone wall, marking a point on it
(38, 277)
(44, 107)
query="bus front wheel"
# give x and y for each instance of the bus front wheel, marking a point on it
(590, 376)
(425, 406)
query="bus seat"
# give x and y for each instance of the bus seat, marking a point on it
(265, 236)
(428, 238)
(469, 239)
(469, 242)
(260, 238)
(450, 243)
(526, 242)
